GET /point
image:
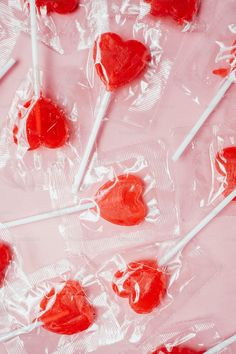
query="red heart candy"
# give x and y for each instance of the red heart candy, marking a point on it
(223, 72)
(6, 257)
(59, 6)
(142, 283)
(225, 163)
(120, 201)
(46, 125)
(70, 313)
(118, 62)
(180, 10)
(177, 350)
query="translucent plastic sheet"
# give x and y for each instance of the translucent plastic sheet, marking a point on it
(67, 302)
(9, 31)
(134, 193)
(211, 162)
(199, 336)
(141, 291)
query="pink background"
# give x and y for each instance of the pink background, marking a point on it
(216, 300)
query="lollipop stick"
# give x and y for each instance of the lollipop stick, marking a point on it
(210, 108)
(27, 329)
(34, 45)
(7, 67)
(221, 346)
(186, 239)
(46, 216)
(92, 139)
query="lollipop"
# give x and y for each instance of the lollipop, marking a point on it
(6, 257)
(67, 312)
(70, 313)
(225, 163)
(117, 63)
(229, 80)
(180, 10)
(119, 201)
(46, 124)
(177, 350)
(144, 283)
(4, 70)
(59, 6)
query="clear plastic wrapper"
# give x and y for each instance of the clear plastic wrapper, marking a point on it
(198, 336)
(141, 291)
(63, 300)
(211, 160)
(131, 20)
(134, 192)
(195, 82)
(9, 32)
(32, 155)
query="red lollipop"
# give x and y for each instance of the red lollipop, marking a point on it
(225, 163)
(70, 312)
(120, 201)
(46, 125)
(59, 6)
(177, 350)
(180, 10)
(6, 257)
(117, 63)
(142, 283)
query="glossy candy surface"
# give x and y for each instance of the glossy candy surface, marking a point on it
(177, 350)
(180, 10)
(119, 62)
(67, 312)
(46, 125)
(142, 283)
(59, 6)
(121, 200)
(225, 163)
(6, 257)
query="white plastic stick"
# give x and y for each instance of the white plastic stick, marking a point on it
(35, 51)
(49, 215)
(92, 139)
(210, 108)
(27, 329)
(186, 239)
(7, 67)
(221, 346)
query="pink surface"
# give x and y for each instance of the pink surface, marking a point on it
(188, 90)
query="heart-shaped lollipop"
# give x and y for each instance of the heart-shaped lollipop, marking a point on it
(121, 200)
(142, 283)
(119, 62)
(59, 6)
(6, 256)
(180, 10)
(70, 312)
(46, 125)
(225, 163)
(177, 350)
